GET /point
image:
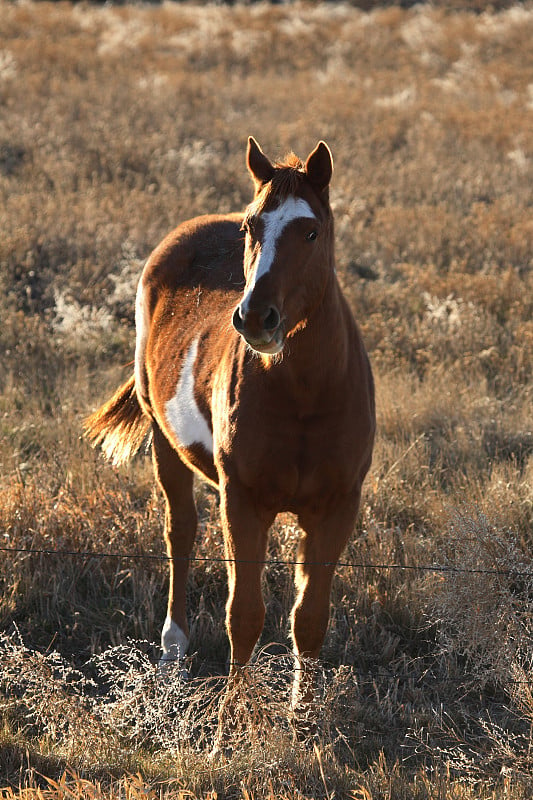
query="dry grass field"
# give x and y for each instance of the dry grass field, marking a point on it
(116, 123)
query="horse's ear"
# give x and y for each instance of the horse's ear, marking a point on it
(260, 167)
(319, 166)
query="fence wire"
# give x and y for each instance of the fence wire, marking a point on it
(442, 568)
(365, 677)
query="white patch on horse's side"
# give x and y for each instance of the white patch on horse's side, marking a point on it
(274, 223)
(183, 414)
(141, 335)
(174, 643)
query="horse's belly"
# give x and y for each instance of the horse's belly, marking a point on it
(201, 462)
(177, 410)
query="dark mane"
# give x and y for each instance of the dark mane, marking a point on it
(287, 177)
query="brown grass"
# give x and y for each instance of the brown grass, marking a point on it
(117, 123)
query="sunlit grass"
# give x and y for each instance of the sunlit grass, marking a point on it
(118, 123)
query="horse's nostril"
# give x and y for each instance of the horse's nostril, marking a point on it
(272, 319)
(238, 322)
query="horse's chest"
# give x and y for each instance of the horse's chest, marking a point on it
(294, 464)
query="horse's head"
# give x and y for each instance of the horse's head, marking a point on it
(288, 254)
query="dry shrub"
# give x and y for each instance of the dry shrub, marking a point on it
(117, 710)
(468, 690)
(483, 606)
(80, 602)
(484, 602)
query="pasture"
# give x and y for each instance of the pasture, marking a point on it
(116, 124)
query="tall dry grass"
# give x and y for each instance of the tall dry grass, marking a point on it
(117, 123)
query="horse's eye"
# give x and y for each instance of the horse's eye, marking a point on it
(312, 236)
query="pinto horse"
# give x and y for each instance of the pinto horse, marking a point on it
(250, 370)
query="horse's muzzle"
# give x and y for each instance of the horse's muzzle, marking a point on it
(261, 330)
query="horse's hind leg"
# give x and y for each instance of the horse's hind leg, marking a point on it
(176, 482)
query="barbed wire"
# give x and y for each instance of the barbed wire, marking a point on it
(442, 568)
(364, 677)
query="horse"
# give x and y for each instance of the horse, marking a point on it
(250, 371)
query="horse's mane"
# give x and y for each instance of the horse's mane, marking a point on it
(288, 176)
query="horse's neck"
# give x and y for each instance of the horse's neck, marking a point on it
(316, 357)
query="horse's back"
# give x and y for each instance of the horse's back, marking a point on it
(205, 252)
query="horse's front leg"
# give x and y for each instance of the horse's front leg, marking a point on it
(245, 539)
(323, 539)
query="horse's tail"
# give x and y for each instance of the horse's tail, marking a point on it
(120, 426)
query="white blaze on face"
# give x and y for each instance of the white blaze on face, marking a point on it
(274, 223)
(183, 414)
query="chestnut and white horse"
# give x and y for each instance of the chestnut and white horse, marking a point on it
(250, 370)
